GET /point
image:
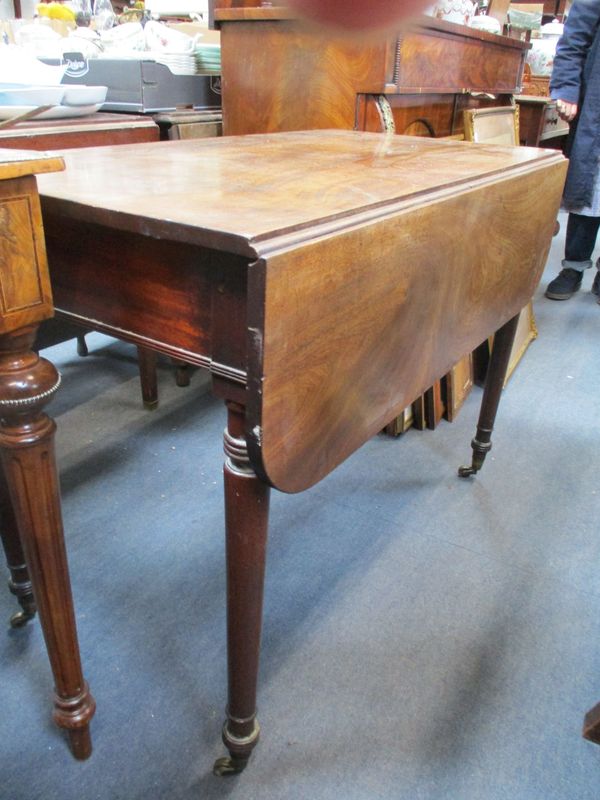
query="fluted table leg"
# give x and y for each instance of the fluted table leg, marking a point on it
(27, 382)
(246, 523)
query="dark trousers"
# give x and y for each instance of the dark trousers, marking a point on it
(581, 238)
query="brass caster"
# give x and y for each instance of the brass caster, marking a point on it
(466, 472)
(229, 765)
(20, 618)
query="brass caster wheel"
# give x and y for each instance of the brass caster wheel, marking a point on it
(466, 472)
(20, 618)
(229, 765)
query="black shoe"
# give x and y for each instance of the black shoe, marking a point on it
(596, 285)
(565, 284)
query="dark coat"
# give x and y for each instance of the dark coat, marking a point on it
(576, 79)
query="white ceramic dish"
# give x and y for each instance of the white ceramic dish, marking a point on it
(84, 95)
(56, 112)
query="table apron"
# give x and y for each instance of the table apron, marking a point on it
(182, 300)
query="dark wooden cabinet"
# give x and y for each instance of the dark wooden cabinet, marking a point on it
(539, 123)
(279, 74)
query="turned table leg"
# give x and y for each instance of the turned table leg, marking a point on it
(246, 523)
(19, 582)
(27, 383)
(482, 444)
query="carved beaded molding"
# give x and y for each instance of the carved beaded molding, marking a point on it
(31, 401)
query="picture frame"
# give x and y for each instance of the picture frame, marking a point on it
(526, 332)
(401, 423)
(493, 125)
(457, 385)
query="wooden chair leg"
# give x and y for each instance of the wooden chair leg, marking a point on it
(246, 523)
(19, 582)
(27, 382)
(82, 348)
(482, 444)
(182, 372)
(147, 365)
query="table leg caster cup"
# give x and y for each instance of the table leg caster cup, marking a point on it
(480, 451)
(240, 749)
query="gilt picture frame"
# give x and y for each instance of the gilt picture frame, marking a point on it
(493, 125)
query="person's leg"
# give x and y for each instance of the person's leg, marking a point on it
(579, 245)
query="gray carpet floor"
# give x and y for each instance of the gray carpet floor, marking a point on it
(425, 638)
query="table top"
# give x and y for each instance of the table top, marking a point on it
(18, 163)
(246, 194)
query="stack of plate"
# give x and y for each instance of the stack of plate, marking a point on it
(208, 58)
(178, 63)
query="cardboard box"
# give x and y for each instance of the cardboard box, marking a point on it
(143, 86)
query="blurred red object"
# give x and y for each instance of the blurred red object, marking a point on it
(356, 15)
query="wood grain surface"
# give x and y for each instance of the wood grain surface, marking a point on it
(351, 243)
(280, 73)
(25, 293)
(241, 194)
(342, 314)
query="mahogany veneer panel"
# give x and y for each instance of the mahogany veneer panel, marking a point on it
(281, 74)
(25, 294)
(432, 58)
(350, 243)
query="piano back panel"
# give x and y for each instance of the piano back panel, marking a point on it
(333, 324)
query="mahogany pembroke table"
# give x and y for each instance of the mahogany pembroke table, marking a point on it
(296, 268)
